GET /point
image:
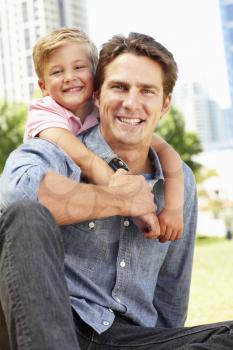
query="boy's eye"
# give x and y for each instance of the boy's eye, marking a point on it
(55, 72)
(80, 67)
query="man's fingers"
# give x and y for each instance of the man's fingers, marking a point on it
(120, 172)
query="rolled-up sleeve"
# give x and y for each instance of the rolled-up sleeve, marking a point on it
(26, 167)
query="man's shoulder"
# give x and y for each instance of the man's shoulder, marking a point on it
(188, 174)
(36, 151)
(190, 189)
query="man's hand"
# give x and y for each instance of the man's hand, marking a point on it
(135, 192)
(142, 206)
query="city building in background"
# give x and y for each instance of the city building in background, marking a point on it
(201, 114)
(22, 23)
(226, 10)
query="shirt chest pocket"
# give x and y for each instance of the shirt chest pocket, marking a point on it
(87, 244)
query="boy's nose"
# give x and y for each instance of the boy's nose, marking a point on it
(68, 76)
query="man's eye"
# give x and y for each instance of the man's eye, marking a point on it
(79, 67)
(148, 91)
(118, 87)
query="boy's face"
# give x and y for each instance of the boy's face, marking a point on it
(68, 76)
(131, 100)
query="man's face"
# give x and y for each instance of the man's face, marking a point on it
(131, 100)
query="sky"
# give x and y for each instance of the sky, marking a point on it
(190, 29)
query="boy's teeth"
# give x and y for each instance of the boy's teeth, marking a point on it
(130, 121)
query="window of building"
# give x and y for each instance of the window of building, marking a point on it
(29, 66)
(24, 11)
(37, 32)
(229, 12)
(61, 12)
(1, 48)
(31, 89)
(27, 38)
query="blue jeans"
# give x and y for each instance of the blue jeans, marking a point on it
(35, 306)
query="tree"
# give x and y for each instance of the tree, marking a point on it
(12, 120)
(187, 144)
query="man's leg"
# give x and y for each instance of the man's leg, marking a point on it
(125, 336)
(33, 291)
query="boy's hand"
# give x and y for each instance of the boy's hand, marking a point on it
(149, 225)
(171, 224)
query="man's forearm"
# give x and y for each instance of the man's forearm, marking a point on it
(71, 202)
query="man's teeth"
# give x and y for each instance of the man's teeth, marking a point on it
(130, 121)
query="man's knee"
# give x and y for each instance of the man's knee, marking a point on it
(23, 217)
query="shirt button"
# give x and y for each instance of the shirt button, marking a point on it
(118, 300)
(110, 310)
(122, 263)
(91, 225)
(126, 223)
(105, 323)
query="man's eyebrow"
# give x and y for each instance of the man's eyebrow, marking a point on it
(149, 86)
(117, 82)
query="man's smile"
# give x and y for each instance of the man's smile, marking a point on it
(130, 121)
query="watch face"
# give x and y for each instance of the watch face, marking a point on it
(117, 163)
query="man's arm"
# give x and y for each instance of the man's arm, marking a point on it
(40, 171)
(71, 202)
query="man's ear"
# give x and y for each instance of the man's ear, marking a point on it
(96, 98)
(44, 91)
(166, 104)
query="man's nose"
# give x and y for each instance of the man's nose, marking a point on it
(131, 99)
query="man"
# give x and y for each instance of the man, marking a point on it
(125, 290)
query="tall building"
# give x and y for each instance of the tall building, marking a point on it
(226, 9)
(201, 114)
(22, 22)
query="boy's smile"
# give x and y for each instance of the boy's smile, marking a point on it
(68, 77)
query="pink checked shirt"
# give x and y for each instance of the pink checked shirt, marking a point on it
(46, 113)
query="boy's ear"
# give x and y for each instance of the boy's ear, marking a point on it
(96, 98)
(41, 84)
(166, 104)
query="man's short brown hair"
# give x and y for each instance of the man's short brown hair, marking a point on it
(58, 38)
(140, 45)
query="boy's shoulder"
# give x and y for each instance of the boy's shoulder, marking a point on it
(45, 102)
(49, 105)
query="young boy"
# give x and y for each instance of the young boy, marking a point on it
(65, 61)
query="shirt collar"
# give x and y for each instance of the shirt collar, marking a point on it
(95, 141)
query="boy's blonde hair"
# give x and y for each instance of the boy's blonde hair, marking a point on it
(58, 38)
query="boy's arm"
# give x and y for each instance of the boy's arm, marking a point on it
(49, 120)
(94, 168)
(171, 217)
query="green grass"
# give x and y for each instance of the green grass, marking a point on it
(211, 298)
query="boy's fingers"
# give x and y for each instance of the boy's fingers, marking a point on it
(162, 229)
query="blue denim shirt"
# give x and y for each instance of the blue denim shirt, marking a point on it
(109, 265)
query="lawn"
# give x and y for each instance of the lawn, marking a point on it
(211, 298)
